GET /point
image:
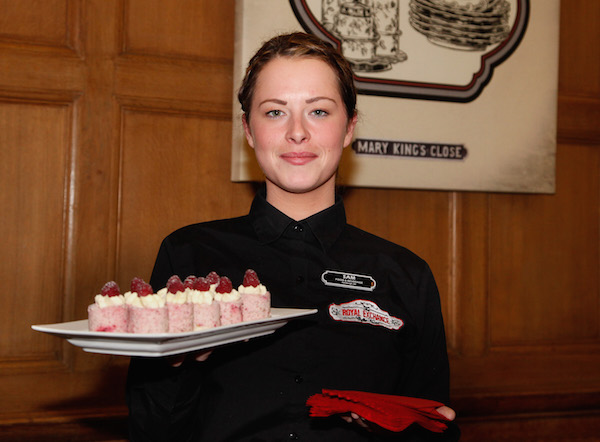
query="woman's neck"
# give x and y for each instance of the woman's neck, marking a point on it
(299, 206)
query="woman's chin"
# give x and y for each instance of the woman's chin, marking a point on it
(300, 186)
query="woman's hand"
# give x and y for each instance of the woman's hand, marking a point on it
(447, 412)
(355, 418)
(200, 356)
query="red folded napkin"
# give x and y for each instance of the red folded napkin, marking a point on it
(394, 413)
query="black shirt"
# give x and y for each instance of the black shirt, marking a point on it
(257, 390)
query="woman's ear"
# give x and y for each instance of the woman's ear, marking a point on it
(350, 130)
(247, 131)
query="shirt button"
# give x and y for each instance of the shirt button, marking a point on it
(298, 379)
(299, 279)
(298, 228)
(293, 436)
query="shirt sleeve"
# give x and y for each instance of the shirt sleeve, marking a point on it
(428, 376)
(426, 372)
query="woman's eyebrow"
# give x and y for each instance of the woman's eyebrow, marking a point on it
(273, 100)
(312, 100)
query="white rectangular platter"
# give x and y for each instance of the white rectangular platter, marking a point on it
(168, 344)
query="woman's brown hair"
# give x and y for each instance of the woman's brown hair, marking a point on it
(298, 45)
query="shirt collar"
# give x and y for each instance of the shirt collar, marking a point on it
(269, 223)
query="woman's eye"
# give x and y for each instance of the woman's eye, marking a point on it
(274, 113)
(320, 112)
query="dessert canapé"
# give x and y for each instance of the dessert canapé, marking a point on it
(206, 308)
(147, 310)
(179, 308)
(230, 302)
(256, 299)
(108, 313)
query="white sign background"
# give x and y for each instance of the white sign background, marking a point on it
(509, 130)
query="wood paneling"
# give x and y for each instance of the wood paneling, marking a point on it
(186, 28)
(46, 22)
(115, 123)
(34, 160)
(544, 269)
(579, 65)
(166, 171)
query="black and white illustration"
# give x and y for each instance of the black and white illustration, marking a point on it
(389, 42)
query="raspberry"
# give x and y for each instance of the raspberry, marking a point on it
(145, 289)
(190, 282)
(175, 285)
(224, 286)
(213, 278)
(202, 284)
(250, 279)
(136, 283)
(110, 289)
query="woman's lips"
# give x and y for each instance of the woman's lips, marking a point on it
(298, 158)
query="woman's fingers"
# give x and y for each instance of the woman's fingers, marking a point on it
(203, 355)
(447, 412)
(176, 361)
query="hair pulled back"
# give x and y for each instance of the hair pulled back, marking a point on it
(299, 45)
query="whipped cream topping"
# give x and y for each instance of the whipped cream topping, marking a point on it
(131, 298)
(173, 298)
(232, 296)
(109, 301)
(150, 301)
(198, 297)
(258, 290)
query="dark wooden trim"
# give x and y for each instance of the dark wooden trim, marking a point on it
(100, 429)
(567, 426)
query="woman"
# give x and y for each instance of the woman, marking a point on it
(299, 104)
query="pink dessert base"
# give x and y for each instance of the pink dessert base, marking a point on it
(206, 316)
(256, 306)
(148, 320)
(113, 318)
(181, 317)
(231, 312)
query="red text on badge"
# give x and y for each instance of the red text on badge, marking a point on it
(367, 312)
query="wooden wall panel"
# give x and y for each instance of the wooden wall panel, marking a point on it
(579, 72)
(201, 87)
(544, 282)
(579, 66)
(44, 22)
(34, 161)
(168, 179)
(186, 28)
(470, 282)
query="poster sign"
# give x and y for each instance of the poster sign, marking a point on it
(453, 94)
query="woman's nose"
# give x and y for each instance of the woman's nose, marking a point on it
(297, 131)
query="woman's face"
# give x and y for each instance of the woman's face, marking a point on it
(298, 126)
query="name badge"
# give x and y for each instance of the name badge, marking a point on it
(348, 280)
